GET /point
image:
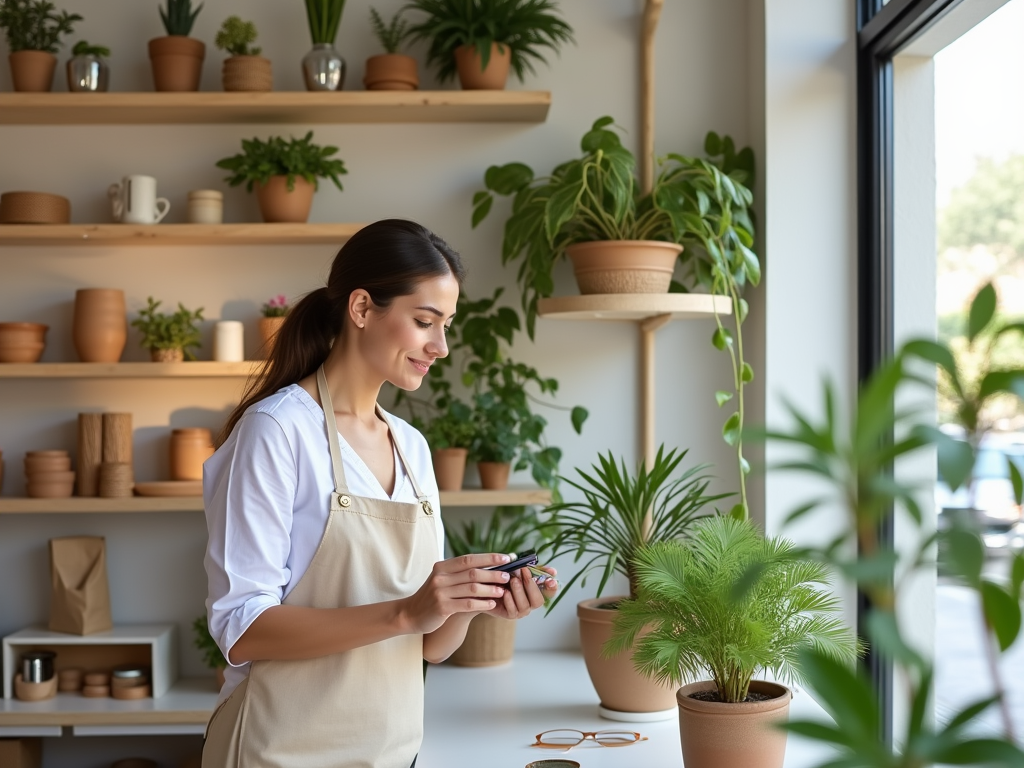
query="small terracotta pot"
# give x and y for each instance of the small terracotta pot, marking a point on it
(189, 449)
(489, 642)
(22, 342)
(32, 71)
(391, 72)
(177, 62)
(100, 325)
(493, 78)
(624, 266)
(34, 691)
(494, 475)
(247, 73)
(739, 735)
(269, 326)
(450, 468)
(167, 355)
(277, 203)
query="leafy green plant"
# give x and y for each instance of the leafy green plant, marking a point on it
(204, 641)
(622, 512)
(179, 17)
(235, 37)
(390, 34)
(509, 529)
(33, 25)
(82, 48)
(702, 625)
(452, 428)
(259, 160)
(174, 331)
(324, 18)
(525, 26)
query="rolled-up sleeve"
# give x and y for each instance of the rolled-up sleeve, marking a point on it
(249, 488)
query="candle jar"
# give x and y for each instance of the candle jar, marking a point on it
(205, 206)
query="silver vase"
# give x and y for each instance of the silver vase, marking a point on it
(323, 68)
(88, 73)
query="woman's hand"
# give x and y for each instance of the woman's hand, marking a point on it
(459, 585)
(523, 594)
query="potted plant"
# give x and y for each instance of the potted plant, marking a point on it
(87, 68)
(212, 656)
(177, 59)
(169, 338)
(391, 70)
(450, 435)
(323, 68)
(272, 318)
(691, 620)
(33, 30)
(621, 513)
(483, 39)
(245, 69)
(284, 174)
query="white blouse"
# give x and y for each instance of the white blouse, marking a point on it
(267, 494)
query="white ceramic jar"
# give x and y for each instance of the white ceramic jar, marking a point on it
(205, 206)
(228, 342)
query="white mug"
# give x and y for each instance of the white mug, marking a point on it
(134, 201)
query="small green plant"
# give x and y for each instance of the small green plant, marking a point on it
(179, 17)
(235, 37)
(33, 25)
(389, 34)
(204, 641)
(453, 427)
(82, 48)
(324, 18)
(728, 603)
(525, 26)
(276, 307)
(259, 160)
(175, 331)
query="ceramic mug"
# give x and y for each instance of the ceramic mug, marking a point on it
(134, 201)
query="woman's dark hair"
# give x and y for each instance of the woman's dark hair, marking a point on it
(387, 259)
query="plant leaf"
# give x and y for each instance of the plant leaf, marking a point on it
(983, 308)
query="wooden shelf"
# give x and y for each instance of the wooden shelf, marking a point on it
(274, 107)
(633, 306)
(197, 369)
(136, 235)
(511, 497)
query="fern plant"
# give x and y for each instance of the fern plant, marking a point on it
(501, 534)
(390, 34)
(728, 603)
(174, 331)
(33, 25)
(179, 17)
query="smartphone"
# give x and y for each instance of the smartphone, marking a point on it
(525, 560)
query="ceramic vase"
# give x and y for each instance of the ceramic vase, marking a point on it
(100, 327)
(189, 449)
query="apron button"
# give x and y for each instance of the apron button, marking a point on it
(427, 509)
(345, 501)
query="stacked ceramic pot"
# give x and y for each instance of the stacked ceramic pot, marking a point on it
(22, 342)
(48, 474)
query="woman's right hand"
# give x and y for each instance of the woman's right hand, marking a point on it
(458, 585)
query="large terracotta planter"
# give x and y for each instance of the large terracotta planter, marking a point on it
(247, 73)
(391, 72)
(494, 475)
(450, 468)
(489, 642)
(22, 342)
(269, 328)
(625, 694)
(32, 71)
(177, 62)
(623, 266)
(278, 204)
(733, 735)
(100, 326)
(493, 78)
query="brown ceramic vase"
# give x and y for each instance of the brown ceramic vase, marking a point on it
(739, 735)
(177, 62)
(450, 468)
(279, 204)
(189, 449)
(473, 77)
(489, 642)
(269, 327)
(494, 475)
(247, 73)
(100, 325)
(391, 72)
(623, 266)
(32, 71)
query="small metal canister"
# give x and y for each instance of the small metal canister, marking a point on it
(88, 73)
(37, 666)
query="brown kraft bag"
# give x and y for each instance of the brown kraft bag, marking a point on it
(80, 602)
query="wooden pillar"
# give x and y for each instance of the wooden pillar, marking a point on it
(652, 12)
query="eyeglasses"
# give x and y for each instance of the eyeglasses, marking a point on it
(566, 738)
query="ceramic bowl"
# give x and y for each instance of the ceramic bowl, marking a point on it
(26, 353)
(35, 464)
(22, 333)
(34, 691)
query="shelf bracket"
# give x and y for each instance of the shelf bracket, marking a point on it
(647, 368)
(652, 13)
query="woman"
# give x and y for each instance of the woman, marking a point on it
(327, 584)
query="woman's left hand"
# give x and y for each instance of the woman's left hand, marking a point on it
(523, 594)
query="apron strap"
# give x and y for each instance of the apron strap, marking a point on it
(340, 486)
(421, 497)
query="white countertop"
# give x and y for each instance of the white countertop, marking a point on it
(491, 716)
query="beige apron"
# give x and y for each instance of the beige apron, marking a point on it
(358, 709)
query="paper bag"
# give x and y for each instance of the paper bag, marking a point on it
(80, 602)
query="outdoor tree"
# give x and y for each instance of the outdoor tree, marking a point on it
(988, 210)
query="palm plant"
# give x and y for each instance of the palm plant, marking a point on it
(499, 535)
(179, 17)
(324, 18)
(728, 603)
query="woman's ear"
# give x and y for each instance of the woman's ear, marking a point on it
(359, 306)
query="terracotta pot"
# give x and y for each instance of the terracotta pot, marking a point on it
(277, 203)
(247, 73)
(36, 464)
(22, 342)
(619, 686)
(733, 735)
(100, 326)
(32, 71)
(494, 475)
(391, 72)
(177, 62)
(50, 485)
(269, 326)
(167, 355)
(450, 468)
(489, 642)
(624, 266)
(467, 60)
(189, 449)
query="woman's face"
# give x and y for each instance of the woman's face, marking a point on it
(401, 342)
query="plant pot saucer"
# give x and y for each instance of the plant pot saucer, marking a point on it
(638, 717)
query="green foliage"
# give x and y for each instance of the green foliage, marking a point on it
(510, 529)
(82, 48)
(176, 331)
(623, 512)
(235, 37)
(324, 18)
(703, 625)
(204, 641)
(988, 209)
(390, 34)
(259, 160)
(453, 427)
(179, 17)
(276, 306)
(525, 26)
(33, 25)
